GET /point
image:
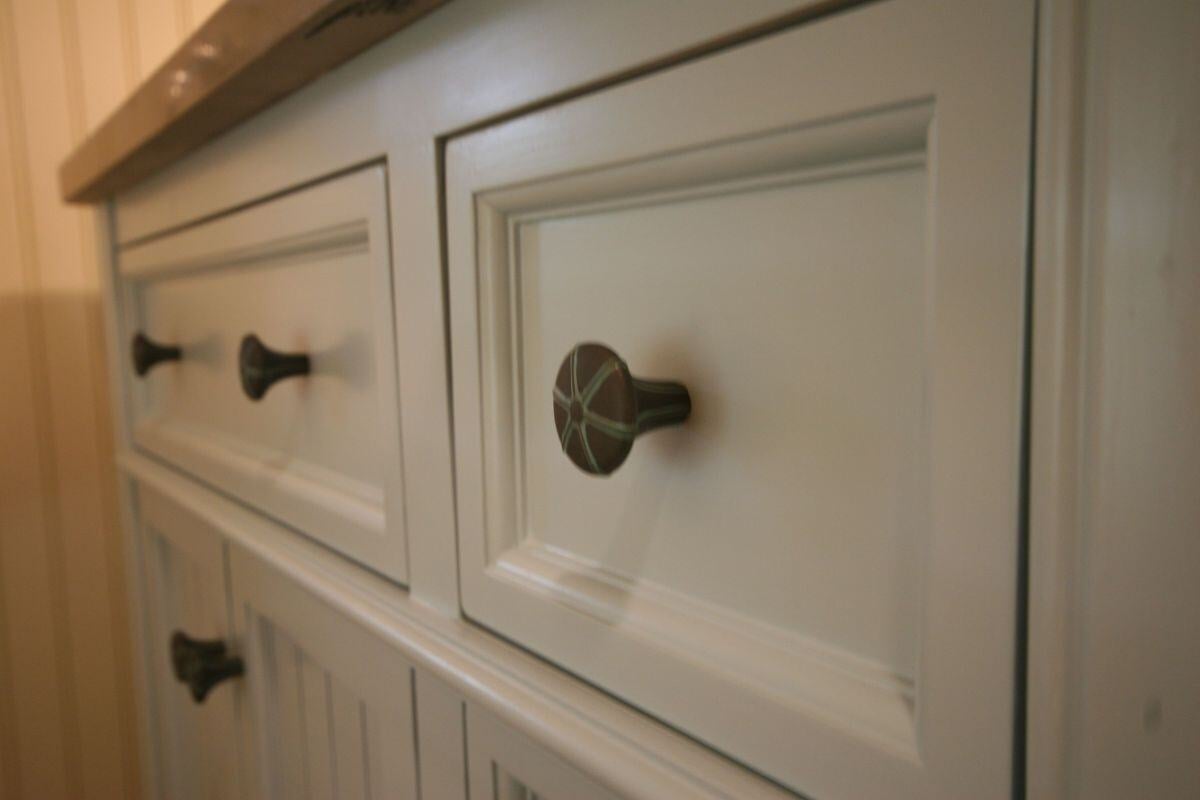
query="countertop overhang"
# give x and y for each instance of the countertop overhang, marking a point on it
(246, 56)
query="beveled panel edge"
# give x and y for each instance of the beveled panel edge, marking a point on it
(843, 690)
(245, 57)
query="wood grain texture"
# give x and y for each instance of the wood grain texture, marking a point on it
(246, 56)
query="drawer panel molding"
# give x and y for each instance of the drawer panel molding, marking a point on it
(833, 265)
(308, 273)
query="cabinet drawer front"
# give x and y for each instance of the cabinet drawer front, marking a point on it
(822, 236)
(308, 273)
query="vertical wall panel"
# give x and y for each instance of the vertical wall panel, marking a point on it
(158, 32)
(48, 70)
(37, 731)
(108, 71)
(66, 694)
(202, 10)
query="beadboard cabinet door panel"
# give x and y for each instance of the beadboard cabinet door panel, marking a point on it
(308, 273)
(822, 236)
(504, 764)
(332, 705)
(197, 744)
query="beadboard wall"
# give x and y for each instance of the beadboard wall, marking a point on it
(66, 698)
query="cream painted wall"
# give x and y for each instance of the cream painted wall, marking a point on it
(67, 724)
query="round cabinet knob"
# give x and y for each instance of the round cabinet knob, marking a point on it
(260, 367)
(147, 352)
(599, 408)
(202, 663)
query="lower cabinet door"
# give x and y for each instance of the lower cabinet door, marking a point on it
(331, 708)
(195, 740)
(504, 764)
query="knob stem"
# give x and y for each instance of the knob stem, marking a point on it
(147, 353)
(202, 664)
(660, 404)
(260, 367)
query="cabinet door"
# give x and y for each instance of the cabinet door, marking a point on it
(822, 234)
(332, 709)
(196, 744)
(503, 764)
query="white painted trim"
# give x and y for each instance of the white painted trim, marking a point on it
(614, 744)
(135, 582)
(1056, 410)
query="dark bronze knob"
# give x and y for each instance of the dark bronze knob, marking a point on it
(202, 663)
(599, 408)
(147, 353)
(260, 367)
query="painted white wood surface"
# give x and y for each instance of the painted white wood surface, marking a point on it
(309, 272)
(1055, 414)
(828, 549)
(1114, 709)
(617, 746)
(504, 765)
(441, 721)
(487, 63)
(196, 745)
(1137, 727)
(332, 703)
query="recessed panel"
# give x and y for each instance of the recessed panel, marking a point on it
(308, 273)
(327, 420)
(793, 308)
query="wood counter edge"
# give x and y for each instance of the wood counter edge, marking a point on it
(247, 56)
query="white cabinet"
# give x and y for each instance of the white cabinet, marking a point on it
(196, 745)
(332, 703)
(823, 236)
(852, 573)
(310, 274)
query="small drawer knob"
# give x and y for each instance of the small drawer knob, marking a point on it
(600, 408)
(147, 353)
(260, 367)
(202, 663)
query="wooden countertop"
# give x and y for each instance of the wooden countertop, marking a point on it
(248, 55)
